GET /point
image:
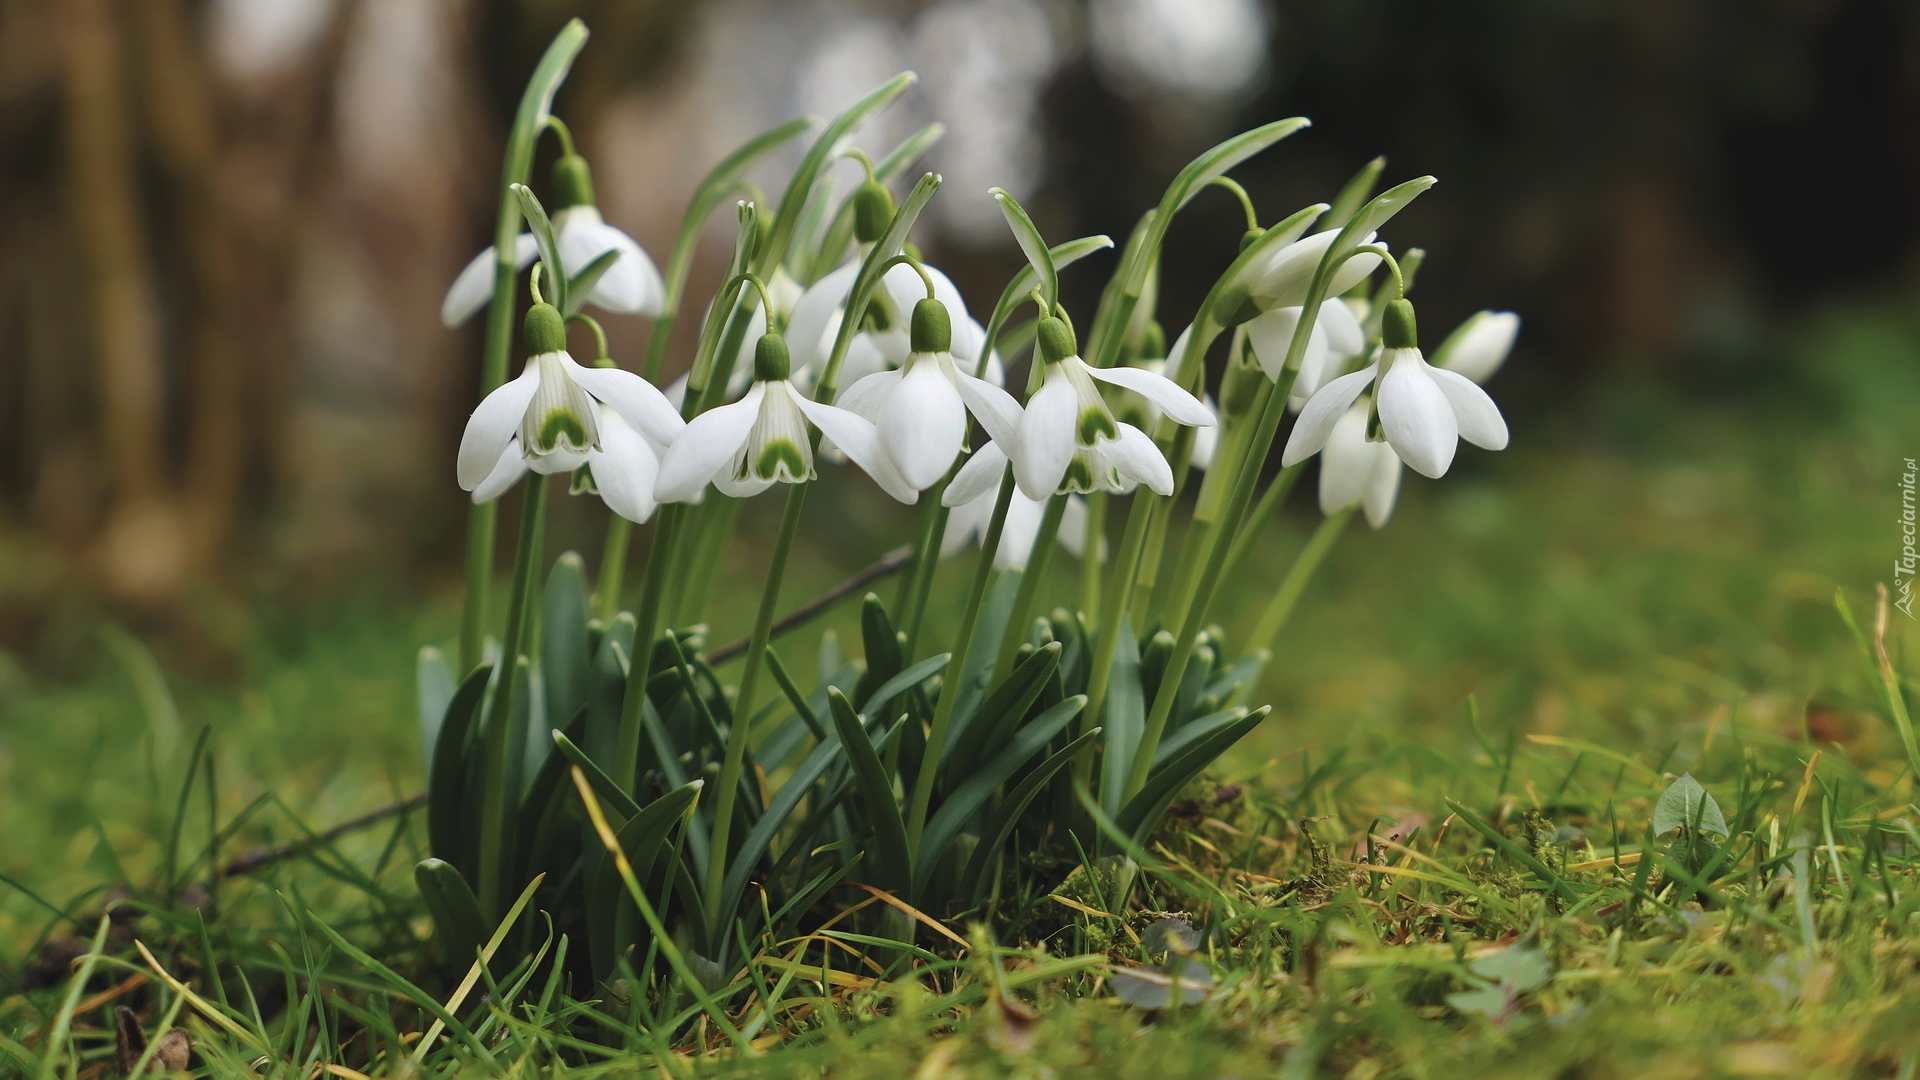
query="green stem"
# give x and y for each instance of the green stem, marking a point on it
(497, 802)
(918, 580)
(1030, 579)
(1261, 516)
(956, 674)
(613, 568)
(1090, 554)
(626, 753)
(738, 732)
(516, 168)
(1297, 577)
(1125, 567)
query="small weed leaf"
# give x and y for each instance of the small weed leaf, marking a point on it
(1686, 803)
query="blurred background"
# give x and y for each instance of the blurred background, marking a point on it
(225, 225)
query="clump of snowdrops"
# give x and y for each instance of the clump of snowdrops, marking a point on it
(671, 805)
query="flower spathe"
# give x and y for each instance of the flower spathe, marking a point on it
(921, 409)
(764, 439)
(1068, 439)
(558, 416)
(630, 286)
(1424, 411)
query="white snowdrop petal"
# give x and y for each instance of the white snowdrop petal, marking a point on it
(1206, 441)
(555, 462)
(625, 469)
(1316, 420)
(1478, 417)
(923, 424)
(1138, 459)
(1018, 532)
(963, 523)
(634, 398)
(816, 316)
(1344, 334)
(472, 288)
(1346, 461)
(996, 410)
(1416, 416)
(492, 425)
(708, 447)
(745, 487)
(1383, 485)
(1178, 405)
(1046, 440)
(1073, 528)
(506, 473)
(869, 394)
(860, 441)
(979, 476)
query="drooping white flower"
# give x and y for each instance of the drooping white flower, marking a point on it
(967, 523)
(1281, 277)
(631, 286)
(763, 439)
(1357, 472)
(1276, 285)
(1478, 346)
(921, 408)
(1424, 411)
(883, 341)
(1068, 439)
(558, 416)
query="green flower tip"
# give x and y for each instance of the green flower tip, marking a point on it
(572, 182)
(546, 330)
(872, 212)
(932, 327)
(770, 359)
(1056, 340)
(1398, 331)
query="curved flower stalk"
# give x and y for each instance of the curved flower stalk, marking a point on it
(1480, 345)
(783, 293)
(1423, 411)
(921, 409)
(630, 286)
(1068, 439)
(1356, 471)
(559, 416)
(763, 439)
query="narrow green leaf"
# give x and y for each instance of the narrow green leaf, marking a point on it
(454, 907)
(977, 732)
(793, 202)
(1143, 811)
(564, 660)
(1001, 823)
(895, 866)
(603, 784)
(759, 838)
(434, 685)
(582, 283)
(450, 811)
(903, 682)
(1124, 719)
(970, 794)
(1356, 192)
(1220, 160)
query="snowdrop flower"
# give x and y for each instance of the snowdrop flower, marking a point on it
(1281, 278)
(762, 439)
(1356, 471)
(1068, 440)
(884, 341)
(1423, 410)
(921, 409)
(1277, 286)
(1478, 347)
(558, 416)
(783, 292)
(968, 523)
(630, 286)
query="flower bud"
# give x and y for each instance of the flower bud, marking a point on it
(1056, 340)
(1398, 331)
(770, 359)
(546, 330)
(932, 327)
(872, 212)
(572, 182)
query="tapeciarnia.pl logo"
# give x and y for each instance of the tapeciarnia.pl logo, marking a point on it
(1903, 567)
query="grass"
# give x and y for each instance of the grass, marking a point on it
(1435, 861)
